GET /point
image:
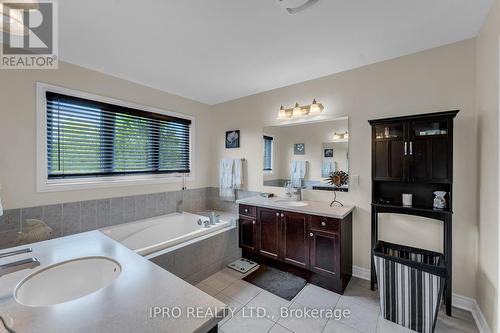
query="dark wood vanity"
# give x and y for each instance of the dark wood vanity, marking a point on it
(317, 248)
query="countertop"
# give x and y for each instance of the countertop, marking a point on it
(123, 306)
(312, 208)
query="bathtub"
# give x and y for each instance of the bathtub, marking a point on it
(162, 232)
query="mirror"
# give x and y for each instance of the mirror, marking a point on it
(306, 154)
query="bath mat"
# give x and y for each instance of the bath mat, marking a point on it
(242, 265)
(282, 284)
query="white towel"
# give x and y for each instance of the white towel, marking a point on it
(1, 208)
(226, 191)
(237, 174)
(297, 172)
(328, 168)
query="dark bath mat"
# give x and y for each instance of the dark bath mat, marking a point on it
(282, 284)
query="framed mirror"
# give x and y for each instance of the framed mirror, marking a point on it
(306, 154)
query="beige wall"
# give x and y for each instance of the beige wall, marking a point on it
(435, 80)
(487, 108)
(17, 131)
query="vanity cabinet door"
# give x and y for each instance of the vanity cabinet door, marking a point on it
(248, 233)
(269, 227)
(324, 253)
(295, 243)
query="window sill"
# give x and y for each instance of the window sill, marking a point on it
(58, 185)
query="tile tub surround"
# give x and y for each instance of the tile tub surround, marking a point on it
(122, 306)
(75, 217)
(202, 258)
(228, 287)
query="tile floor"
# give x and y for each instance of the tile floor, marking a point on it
(227, 286)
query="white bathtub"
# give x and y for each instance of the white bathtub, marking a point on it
(161, 232)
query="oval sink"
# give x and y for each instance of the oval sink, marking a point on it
(67, 281)
(292, 203)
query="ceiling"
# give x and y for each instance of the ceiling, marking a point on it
(213, 51)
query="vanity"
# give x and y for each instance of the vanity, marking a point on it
(306, 238)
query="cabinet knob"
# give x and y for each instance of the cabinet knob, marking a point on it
(277, 214)
(246, 210)
(253, 222)
(323, 224)
(311, 234)
(282, 215)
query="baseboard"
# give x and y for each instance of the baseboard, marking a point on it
(458, 301)
(470, 304)
(361, 273)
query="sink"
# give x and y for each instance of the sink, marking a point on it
(67, 281)
(292, 203)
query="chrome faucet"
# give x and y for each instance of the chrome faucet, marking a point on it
(292, 192)
(18, 266)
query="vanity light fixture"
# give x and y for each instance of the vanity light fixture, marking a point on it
(341, 135)
(297, 111)
(282, 113)
(300, 111)
(11, 16)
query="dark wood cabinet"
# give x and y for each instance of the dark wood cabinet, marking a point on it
(413, 150)
(317, 248)
(295, 243)
(389, 152)
(414, 155)
(324, 253)
(248, 233)
(268, 222)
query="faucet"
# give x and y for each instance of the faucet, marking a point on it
(214, 218)
(293, 193)
(18, 266)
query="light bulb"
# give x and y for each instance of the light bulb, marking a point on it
(315, 108)
(282, 113)
(297, 111)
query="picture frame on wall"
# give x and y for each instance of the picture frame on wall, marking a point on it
(299, 149)
(232, 139)
(328, 153)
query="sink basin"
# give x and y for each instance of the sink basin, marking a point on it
(67, 281)
(292, 203)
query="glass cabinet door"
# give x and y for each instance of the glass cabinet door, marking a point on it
(426, 128)
(390, 131)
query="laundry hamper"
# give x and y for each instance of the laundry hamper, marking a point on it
(410, 283)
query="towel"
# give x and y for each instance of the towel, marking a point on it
(1, 208)
(297, 172)
(237, 174)
(327, 168)
(226, 191)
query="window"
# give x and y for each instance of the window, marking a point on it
(91, 140)
(268, 153)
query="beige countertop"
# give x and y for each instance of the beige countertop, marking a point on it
(123, 306)
(312, 207)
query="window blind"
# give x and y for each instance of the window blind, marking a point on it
(268, 153)
(89, 138)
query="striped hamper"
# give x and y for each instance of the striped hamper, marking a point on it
(410, 283)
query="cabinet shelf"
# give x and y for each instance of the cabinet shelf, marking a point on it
(405, 209)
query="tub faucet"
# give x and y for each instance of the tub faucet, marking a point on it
(18, 266)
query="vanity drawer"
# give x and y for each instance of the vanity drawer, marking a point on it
(325, 224)
(248, 210)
